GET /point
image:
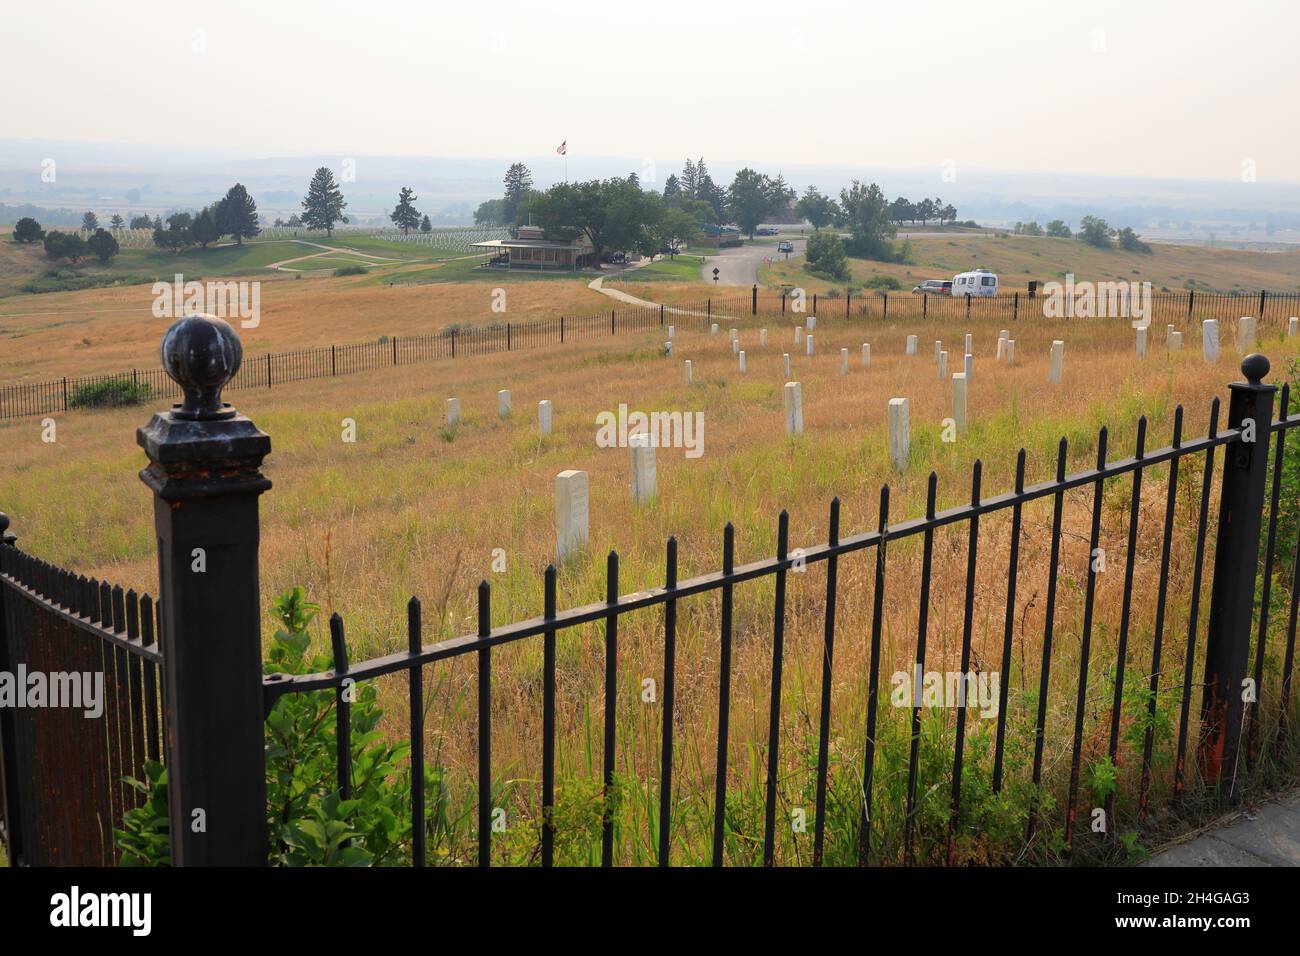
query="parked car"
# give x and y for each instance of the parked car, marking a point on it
(934, 287)
(766, 231)
(785, 245)
(617, 258)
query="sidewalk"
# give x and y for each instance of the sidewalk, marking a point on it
(1268, 835)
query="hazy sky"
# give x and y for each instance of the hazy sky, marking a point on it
(1137, 87)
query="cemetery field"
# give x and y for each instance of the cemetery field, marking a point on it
(1017, 259)
(414, 506)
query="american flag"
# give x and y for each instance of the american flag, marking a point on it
(562, 149)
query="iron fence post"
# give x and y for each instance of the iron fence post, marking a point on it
(11, 810)
(205, 472)
(1015, 306)
(753, 307)
(1236, 560)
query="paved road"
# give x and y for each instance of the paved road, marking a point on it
(1268, 835)
(739, 265)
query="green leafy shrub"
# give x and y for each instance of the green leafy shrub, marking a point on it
(109, 393)
(888, 283)
(353, 270)
(309, 823)
(824, 256)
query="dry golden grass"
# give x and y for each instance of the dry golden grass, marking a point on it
(414, 509)
(101, 331)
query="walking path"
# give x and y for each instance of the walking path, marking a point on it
(598, 285)
(326, 250)
(1265, 835)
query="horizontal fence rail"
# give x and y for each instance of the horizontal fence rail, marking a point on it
(134, 386)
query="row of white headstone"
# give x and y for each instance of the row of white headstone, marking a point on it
(503, 410)
(572, 490)
(1247, 327)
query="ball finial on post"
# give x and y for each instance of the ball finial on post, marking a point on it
(201, 353)
(1255, 366)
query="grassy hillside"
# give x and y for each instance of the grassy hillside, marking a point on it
(1017, 259)
(24, 268)
(415, 507)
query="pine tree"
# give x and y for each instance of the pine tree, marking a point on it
(703, 181)
(90, 222)
(204, 229)
(425, 225)
(117, 221)
(690, 180)
(236, 215)
(519, 179)
(324, 204)
(406, 217)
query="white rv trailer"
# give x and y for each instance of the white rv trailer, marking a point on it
(981, 282)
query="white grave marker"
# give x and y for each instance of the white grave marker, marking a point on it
(943, 365)
(793, 409)
(1058, 360)
(643, 468)
(911, 346)
(503, 403)
(1210, 339)
(844, 362)
(1245, 334)
(959, 397)
(544, 417)
(570, 513)
(899, 444)
(810, 343)
(453, 411)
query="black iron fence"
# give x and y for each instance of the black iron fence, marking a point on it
(62, 777)
(1273, 311)
(205, 473)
